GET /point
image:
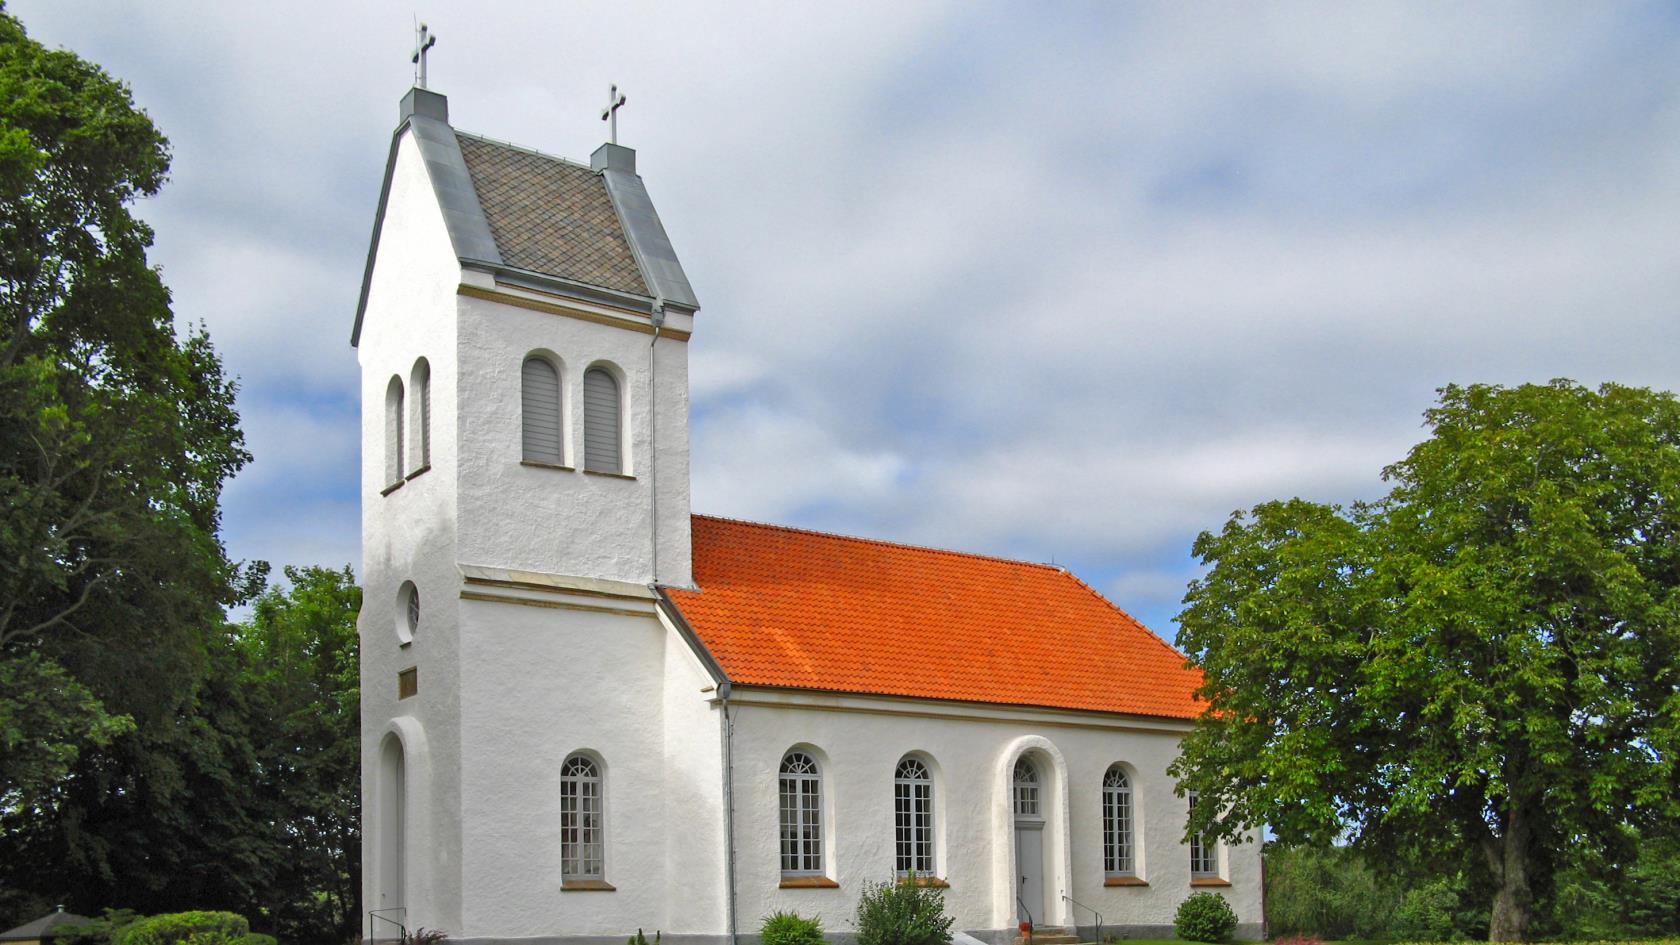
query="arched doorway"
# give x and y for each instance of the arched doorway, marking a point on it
(393, 835)
(1028, 801)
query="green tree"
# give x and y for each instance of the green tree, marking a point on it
(1472, 673)
(115, 435)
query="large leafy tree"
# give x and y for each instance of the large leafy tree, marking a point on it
(116, 435)
(1479, 670)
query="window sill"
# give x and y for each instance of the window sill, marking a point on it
(538, 465)
(1208, 881)
(1124, 881)
(587, 885)
(808, 882)
(609, 475)
(392, 487)
(931, 882)
(417, 472)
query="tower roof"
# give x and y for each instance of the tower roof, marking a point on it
(583, 231)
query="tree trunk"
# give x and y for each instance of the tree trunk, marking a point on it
(1513, 904)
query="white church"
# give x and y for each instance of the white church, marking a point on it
(586, 710)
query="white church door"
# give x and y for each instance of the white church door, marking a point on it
(1029, 843)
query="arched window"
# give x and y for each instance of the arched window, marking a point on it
(420, 416)
(1026, 789)
(1117, 824)
(539, 399)
(913, 819)
(394, 431)
(408, 612)
(601, 428)
(801, 810)
(581, 842)
(1204, 854)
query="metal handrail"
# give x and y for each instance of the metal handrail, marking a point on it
(402, 929)
(1023, 905)
(1087, 908)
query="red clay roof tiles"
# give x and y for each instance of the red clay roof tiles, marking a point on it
(786, 607)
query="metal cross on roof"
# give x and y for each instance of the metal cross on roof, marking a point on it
(424, 40)
(615, 101)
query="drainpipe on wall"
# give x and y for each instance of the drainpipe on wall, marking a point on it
(728, 733)
(653, 425)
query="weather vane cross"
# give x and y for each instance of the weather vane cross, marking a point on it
(424, 41)
(615, 101)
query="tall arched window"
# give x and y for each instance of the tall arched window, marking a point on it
(1117, 824)
(1026, 789)
(1204, 854)
(801, 815)
(420, 416)
(394, 431)
(913, 819)
(581, 843)
(539, 401)
(601, 426)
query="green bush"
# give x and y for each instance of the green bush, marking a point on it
(1327, 892)
(902, 913)
(640, 939)
(1426, 914)
(258, 938)
(1205, 917)
(790, 928)
(185, 928)
(100, 931)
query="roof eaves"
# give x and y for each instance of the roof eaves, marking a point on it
(946, 700)
(559, 285)
(463, 217)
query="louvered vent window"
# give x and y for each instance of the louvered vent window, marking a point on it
(1117, 824)
(421, 385)
(540, 410)
(601, 422)
(394, 431)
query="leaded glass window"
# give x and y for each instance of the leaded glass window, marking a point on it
(913, 819)
(801, 815)
(581, 846)
(1117, 824)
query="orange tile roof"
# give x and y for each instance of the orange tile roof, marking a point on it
(792, 608)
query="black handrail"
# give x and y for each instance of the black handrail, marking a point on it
(1028, 912)
(402, 930)
(1087, 908)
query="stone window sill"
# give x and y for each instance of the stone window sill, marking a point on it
(1208, 881)
(932, 882)
(1124, 881)
(392, 487)
(609, 475)
(536, 465)
(587, 885)
(808, 882)
(417, 472)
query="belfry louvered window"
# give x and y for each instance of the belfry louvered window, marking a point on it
(540, 412)
(801, 815)
(601, 427)
(420, 387)
(1204, 854)
(581, 846)
(1117, 824)
(913, 819)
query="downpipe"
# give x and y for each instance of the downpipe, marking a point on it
(653, 426)
(728, 727)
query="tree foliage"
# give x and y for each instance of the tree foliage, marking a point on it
(1477, 671)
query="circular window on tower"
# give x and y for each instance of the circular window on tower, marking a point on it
(408, 612)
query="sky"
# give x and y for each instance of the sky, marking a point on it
(1063, 282)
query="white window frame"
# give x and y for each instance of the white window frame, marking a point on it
(1119, 824)
(583, 844)
(1027, 794)
(1204, 854)
(914, 849)
(800, 805)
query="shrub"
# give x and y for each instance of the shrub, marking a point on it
(100, 931)
(185, 928)
(791, 928)
(258, 938)
(1205, 917)
(425, 936)
(1330, 893)
(640, 939)
(1296, 940)
(1426, 914)
(902, 913)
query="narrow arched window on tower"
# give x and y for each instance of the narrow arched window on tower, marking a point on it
(540, 412)
(581, 844)
(1117, 824)
(420, 416)
(913, 819)
(801, 815)
(601, 425)
(394, 431)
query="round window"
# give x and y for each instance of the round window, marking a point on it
(408, 612)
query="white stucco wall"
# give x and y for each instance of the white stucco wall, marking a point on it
(566, 521)
(862, 741)
(409, 535)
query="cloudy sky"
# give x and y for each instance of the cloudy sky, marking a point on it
(1061, 282)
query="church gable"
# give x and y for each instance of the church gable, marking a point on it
(551, 216)
(785, 607)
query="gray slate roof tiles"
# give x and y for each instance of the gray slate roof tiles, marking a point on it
(551, 216)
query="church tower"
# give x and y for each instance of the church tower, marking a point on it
(522, 333)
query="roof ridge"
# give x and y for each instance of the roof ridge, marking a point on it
(892, 544)
(522, 148)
